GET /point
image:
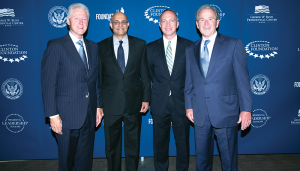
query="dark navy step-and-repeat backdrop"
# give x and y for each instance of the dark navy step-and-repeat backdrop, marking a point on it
(269, 30)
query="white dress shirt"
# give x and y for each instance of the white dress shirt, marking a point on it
(210, 45)
(173, 46)
(125, 46)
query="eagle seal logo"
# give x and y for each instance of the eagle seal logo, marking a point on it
(12, 89)
(260, 84)
(57, 16)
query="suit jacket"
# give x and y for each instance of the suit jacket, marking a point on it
(66, 87)
(162, 82)
(124, 92)
(226, 89)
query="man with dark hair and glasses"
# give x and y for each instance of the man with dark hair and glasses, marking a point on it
(125, 82)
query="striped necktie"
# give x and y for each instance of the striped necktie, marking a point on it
(169, 57)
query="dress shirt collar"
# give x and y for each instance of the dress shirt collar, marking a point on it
(212, 39)
(116, 40)
(173, 41)
(75, 39)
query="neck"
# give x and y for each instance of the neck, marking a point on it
(170, 37)
(119, 37)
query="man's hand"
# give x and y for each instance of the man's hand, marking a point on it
(189, 114)
(56, 125)
(145, 107)
(99, 116)
(245, 120)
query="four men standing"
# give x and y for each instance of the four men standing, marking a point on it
(208, 78)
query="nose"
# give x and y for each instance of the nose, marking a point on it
(206, 22)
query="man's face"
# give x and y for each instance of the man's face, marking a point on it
(207, 23)
(119, 24)
(78, 22)
(168, 24)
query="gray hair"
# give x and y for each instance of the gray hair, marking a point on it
(207, 7)
(80, 6)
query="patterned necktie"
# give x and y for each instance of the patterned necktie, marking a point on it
(169, 57)
(120, 57)
(82, 55)
(205, 58)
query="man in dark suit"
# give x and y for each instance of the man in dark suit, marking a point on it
(217, 91)
(125, 84)
(72, 97)
(166, 60)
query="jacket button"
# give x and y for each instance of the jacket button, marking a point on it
(206, 83)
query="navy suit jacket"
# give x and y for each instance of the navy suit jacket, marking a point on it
(67, 89)
(162, 82)
(226, 89)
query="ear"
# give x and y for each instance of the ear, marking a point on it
(68, 21)
(177, 24)
(197, 25)
(217, 23)
(110, 24)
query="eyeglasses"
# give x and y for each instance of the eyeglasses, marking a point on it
(122, 23)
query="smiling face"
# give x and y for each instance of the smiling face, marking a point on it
(168, 24)
(207, 23)
(119, 24)
(78, 22)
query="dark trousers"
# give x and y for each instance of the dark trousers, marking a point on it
(113, 140)
(75, 146)
(227, 143)
(161, 138)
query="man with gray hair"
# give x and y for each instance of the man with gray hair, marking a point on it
(217, 91)
(71, 95)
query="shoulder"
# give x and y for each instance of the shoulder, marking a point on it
(104, 42)
(136, 40)
(91, 43)
(55, 42)
(228, 39)
(151, 44)
(184, 41)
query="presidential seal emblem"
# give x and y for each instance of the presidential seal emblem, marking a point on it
(260, 84)
(221, 14)
(12, 89)
(259, 118)
(57, 16)
(15, 123)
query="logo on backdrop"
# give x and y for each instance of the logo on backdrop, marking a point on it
(260, 84)
(296, 84)
(57, 16)
(261, 49)
(12, 89)
(259, 118)
(15, 123)
(261, 15)
(12, 54)
(9, 19)
(221, 14)
(6, 12)
(153, 13)
(296, 120)
(108, 15)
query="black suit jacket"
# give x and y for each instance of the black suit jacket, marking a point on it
(66, 87)
(124, 92)
(162, 82)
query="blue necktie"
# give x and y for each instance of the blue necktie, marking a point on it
(205, 58)
(82, 55)
(120, 57)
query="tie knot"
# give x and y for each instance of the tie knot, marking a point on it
(169, 43)
(121, 42)
(79, 42)
(206, 42)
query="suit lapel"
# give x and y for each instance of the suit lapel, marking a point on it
(88, 51)
(215, 53)
(131, 51)
(162, 55)
(197, 52)
(110, 44)
(73, 51)
(179, 50)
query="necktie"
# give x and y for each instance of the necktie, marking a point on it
(120, 57)
(205, 58)
(82, 55)
(169, 57)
